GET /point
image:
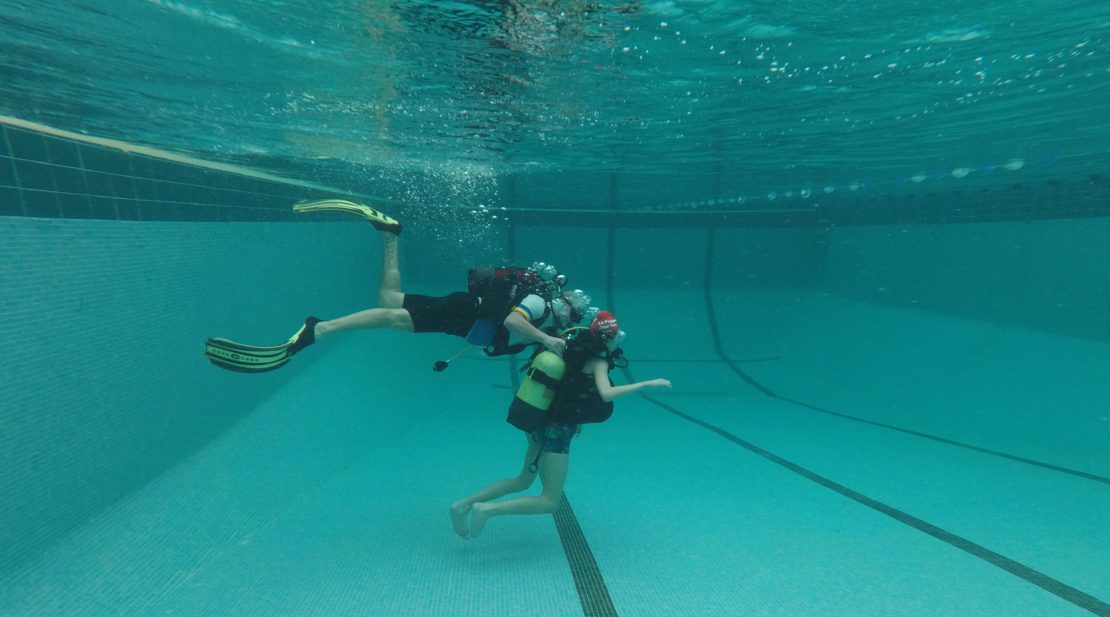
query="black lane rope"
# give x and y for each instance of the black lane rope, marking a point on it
(768, 392)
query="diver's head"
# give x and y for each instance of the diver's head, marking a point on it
(547, 272)
(570, 306)
(605, 327)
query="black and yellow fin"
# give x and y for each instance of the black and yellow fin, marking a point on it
(379, 220)
(244, 358)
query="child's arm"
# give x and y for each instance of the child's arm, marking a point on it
(608, 391)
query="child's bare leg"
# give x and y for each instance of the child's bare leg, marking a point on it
(522, 481)
(553, 474)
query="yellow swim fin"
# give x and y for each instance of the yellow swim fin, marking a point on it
(380, 220)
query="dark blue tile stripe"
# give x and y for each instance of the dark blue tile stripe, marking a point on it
(1066, 592)
(712, 317)
(710, 249)
(593, 594)
(1062, 590)
(1013, 457)
(592, 591)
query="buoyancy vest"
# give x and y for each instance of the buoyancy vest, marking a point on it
(578, 401)
(555, 390)
(501, 289)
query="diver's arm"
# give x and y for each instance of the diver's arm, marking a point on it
(608, 391)
(519, 324)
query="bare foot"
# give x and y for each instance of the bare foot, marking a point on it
(458, 518)
(479, 514)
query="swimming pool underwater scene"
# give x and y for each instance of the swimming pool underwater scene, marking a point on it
(555, 308)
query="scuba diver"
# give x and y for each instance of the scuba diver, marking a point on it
(504, 310)
(558, 396)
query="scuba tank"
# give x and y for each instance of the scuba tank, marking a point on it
(528, 411)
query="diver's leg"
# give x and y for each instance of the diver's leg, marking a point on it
(520, 482)
(553, 474)
(389, 313)
(369, 319)
(389, 286)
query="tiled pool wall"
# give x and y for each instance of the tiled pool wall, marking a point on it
(1037, 192)
(1050, 275)
(112, 274)
(1026, 250)
(114, 267)
(50, 176)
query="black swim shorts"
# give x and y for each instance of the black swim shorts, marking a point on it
(451, 314)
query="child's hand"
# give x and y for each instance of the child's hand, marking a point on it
(659, 383)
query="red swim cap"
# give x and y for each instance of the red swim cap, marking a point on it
(605, 324)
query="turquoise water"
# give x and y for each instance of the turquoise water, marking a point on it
(784, 96)
(866, 243)
(820, 453)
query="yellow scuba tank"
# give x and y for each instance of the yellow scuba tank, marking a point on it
(542, 381)
(528, 411)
